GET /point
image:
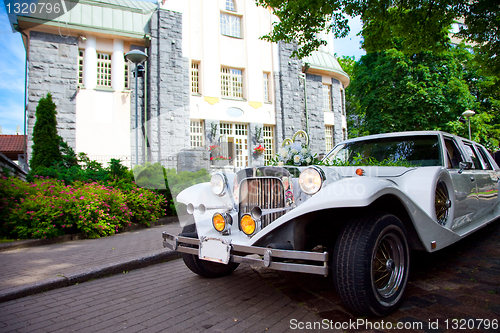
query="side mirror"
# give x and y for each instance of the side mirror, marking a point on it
(464, 166)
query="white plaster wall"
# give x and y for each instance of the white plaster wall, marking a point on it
(329, 118)
(203, 42)
(103, 122)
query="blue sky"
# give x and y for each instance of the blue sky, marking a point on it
(12, 62)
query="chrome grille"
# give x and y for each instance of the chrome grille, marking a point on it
(266, 193)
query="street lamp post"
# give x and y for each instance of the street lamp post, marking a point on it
(137, 57)
(467, 114)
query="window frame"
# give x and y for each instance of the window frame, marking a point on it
(327, 97)
(104, 73)
(329, 136)
(266, 78)
(191, 78)
(227, 24)
(81, 67)
(231, 4)
(126, 80)
(268, 136)
(196, 138)
(235, 88)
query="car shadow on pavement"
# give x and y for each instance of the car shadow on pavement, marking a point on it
(461, 281)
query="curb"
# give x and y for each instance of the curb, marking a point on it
(73, 237)
(86, 275)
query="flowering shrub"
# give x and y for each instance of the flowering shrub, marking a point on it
(48, 208)
(146, 206)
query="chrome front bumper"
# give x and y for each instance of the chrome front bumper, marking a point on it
(317, 263)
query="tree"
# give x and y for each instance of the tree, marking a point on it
(420, 25)
(398, 92)
(45, 138)
(485, 124)
(355, 118)
(482, 26)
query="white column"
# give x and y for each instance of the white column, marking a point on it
(118, 66)
(90, 63)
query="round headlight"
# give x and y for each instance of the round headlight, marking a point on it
(218, 184)
(248, 225)
(310, 180)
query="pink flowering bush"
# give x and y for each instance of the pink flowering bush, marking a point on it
(48, 208)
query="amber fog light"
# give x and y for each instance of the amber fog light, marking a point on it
(222, 222)
(218, 222)
(248, 225)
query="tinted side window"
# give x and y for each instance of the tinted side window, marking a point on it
(454, 157)
(470, 151)
(484, 157)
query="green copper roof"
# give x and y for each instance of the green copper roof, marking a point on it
(121, 17)
(325, 61)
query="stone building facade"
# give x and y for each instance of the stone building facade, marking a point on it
(208, 81)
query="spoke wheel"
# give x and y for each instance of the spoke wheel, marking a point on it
(442, 203)
(388, 268)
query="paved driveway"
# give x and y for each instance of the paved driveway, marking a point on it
(456, 286)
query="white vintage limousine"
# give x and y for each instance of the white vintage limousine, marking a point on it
(344, 219)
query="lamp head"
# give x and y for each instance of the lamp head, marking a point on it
(468, 113)
(136, 56)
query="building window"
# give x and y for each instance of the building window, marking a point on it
(231, 83)
(266, 87)
(329, 137)
(230, 25)
(235, 138)
(268, 138)
(80, 67)
(241, 129)
(103, 69)
(127, 75)
(230, 5)
(226, 129)
(327, 97)
(196, 133)
(195, 78)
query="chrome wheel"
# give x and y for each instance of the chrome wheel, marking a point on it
(442, 203)
(388, 266)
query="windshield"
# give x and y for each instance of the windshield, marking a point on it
(418, 150)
